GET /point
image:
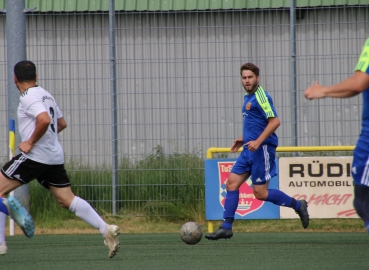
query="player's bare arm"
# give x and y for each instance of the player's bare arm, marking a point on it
(62, 124)
(237, 143)
(273, 124)
(42, 124)
(350, 87)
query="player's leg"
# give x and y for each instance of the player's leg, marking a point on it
(262, 172)
(238, 175)
(278, 197)
(60, 188)
(6, 185)
(361, 203)
(234, 181)
(360, 167)
(79, 206)
(9, 180)
(3, 247)
(233, 184)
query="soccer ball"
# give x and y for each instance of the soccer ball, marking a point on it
(191, 233)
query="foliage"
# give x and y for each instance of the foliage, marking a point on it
(169, 187)
(156, 187)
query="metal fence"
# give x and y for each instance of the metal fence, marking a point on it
(178, 83)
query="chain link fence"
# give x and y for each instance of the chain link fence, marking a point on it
(178, 90)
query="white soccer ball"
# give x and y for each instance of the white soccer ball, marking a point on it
(191, 233)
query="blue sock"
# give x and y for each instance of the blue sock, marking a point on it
(280, 198)
(3, 207)
(230, 207)
(367, 225)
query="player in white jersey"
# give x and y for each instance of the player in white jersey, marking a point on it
(352, 86)
(42, 158)
(34, 101)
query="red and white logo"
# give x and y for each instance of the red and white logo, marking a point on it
(247, 202)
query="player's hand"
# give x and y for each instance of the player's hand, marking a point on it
(252, 145)
(236, 145)
(315, 91)
(25, 147)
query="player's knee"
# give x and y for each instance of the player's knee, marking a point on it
(232, 185)
(260, 195)
(234, 182)
(63, 203)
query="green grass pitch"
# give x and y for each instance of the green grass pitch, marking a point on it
(167, 251)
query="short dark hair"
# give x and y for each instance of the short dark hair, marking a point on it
(250, 66)
(25, 71)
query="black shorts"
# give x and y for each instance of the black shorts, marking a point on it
(25, 170)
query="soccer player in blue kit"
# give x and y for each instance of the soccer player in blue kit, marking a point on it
(352, 86)
(257, 158)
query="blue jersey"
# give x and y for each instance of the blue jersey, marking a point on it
(360, 163)
(363, 66)
(256, 110)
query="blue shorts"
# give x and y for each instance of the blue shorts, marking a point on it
(260, 164)
(360, 164)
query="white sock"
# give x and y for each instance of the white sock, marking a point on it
(2, 227)
(84, 211)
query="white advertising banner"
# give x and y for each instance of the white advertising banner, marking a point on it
(324, 182)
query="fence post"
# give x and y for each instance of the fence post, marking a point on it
(16, 51)
(113, 91)
(293, 72)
